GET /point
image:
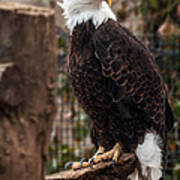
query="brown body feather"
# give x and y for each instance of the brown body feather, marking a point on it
(117, 82)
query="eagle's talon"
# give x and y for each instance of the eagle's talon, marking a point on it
(68, 164)
(100, 156)
(91, 162)
(82, 161)
(99, 153)
(113, 154)
(117, 154)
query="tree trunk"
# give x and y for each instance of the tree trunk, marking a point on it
(41, 3)
(27, 89)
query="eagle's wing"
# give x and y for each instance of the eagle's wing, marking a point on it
(129, 71)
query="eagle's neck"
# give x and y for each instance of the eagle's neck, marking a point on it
(79, 11)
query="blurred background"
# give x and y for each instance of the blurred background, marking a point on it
(157, 24)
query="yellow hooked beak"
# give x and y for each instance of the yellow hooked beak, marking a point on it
(109, 2)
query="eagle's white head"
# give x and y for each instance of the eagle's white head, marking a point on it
(79, 11)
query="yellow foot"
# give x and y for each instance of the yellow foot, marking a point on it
(100, 156)
(113, 155)
(85, 162)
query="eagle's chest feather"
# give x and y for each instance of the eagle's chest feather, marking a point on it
(86, 73)
(88, 83)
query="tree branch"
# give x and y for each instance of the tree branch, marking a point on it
(101, 171)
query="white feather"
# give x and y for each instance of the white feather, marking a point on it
(79, 11)
(150, 156)
(3, 67)
(134, 175)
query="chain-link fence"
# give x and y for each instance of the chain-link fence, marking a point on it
(70, 136)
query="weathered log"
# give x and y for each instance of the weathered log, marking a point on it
(101, 171)
(27, 89)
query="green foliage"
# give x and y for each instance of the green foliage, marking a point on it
(79, 132)
(155, 12)
(62, 43)
(177, 170)
(64, 89)
(154, 3)
(81, 126)
(177, 108)
(63, 154)
(168, 177)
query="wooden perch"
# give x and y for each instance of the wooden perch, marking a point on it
(101, 171)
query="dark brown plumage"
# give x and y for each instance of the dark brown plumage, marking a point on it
(118, 84)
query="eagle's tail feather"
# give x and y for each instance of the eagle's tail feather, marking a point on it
(150, 157)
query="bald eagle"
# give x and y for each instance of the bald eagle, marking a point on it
(117, 82)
